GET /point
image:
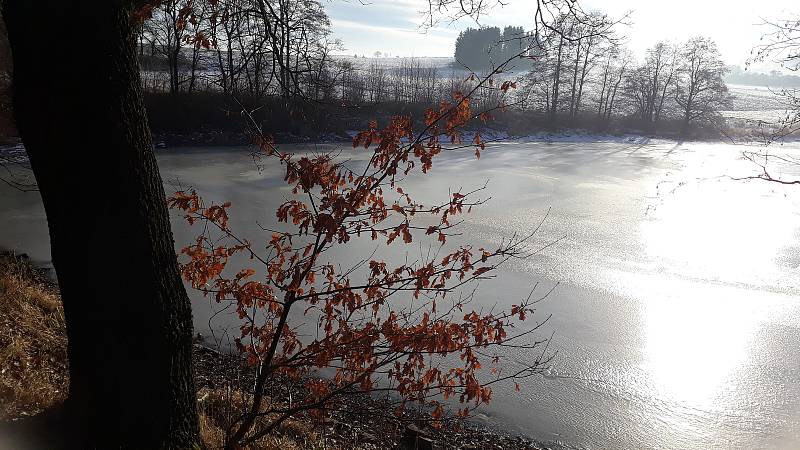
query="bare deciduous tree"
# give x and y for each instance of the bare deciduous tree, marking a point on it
(700, 90)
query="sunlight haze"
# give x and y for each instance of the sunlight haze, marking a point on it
(733, 25)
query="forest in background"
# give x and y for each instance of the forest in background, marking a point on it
(773, 79)
(202, 60)
(578, 74)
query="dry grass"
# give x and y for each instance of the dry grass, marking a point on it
(33, 364)
(218, 408)
(33, 342)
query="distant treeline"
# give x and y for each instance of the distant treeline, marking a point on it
(484, 48)
(575, 73)
(578, 71)
(737, 75)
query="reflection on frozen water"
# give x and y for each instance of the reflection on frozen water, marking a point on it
(693, 348)
(706, 225)
(715, 229)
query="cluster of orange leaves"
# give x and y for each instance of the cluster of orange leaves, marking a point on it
(384, 324)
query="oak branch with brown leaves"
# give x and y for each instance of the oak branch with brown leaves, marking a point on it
(408, 329)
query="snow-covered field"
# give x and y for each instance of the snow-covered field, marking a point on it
(754, 103)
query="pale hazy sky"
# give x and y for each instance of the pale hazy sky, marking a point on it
(394, 25)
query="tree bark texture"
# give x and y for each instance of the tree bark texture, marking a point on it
(78, 106)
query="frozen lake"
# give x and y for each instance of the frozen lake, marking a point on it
(677, 310)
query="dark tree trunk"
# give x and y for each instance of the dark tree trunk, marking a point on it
(79, 109)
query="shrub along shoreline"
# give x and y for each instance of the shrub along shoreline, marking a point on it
(34, 381)
(214, 119)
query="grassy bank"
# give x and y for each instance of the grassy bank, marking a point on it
(33, 343)
(34, 368)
